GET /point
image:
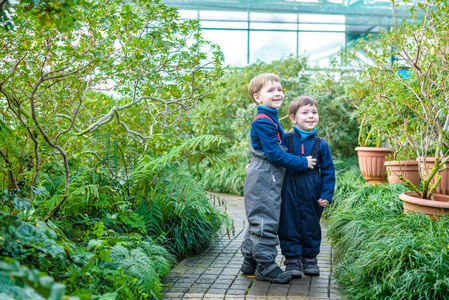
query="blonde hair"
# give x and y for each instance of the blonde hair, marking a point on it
(259, 81)
(299, 102)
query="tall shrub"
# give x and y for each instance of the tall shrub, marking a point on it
(147, 65)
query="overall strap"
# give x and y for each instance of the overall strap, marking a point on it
(265, 116)
(290, 141)
(316, 146)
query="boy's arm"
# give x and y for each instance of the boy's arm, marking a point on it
(267, 133)
(327, 172)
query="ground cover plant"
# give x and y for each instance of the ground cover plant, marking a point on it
(381, 252)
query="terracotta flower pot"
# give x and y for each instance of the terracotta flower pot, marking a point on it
(407, 168)
(433, 208)
(371, 162)
(443, 186)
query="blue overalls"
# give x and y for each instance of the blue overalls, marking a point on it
(299, 227)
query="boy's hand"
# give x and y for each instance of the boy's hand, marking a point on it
(311, 162)
(323, 202)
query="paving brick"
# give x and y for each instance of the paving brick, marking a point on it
(216, 286)
(201, 285)
(196, 291)
(301, 282)
(173, 295)
(235, 292)
(243, 280)
(321, 281)
(177, 290)
(192, 296)
(226, 276)
(235, 297)
(243, 287)
(295, 291)
(224, 281)
(259, 288)
(278, 290)
(206, 278)
(183, 284)
(253, 297)
(217, 291)
(213, 296)
(319, 294)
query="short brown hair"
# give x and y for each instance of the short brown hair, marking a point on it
(258, 82)
(299, 102)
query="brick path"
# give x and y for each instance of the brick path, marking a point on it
(215, 273)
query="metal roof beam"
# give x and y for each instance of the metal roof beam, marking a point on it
(347, 8)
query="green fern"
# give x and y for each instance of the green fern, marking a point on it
(145, 263)
(193, 150)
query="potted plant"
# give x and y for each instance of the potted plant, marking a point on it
(419, 96)
(370, 154)
(402, 161)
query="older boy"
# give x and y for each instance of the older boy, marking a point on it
(264, 177)
(305, 193)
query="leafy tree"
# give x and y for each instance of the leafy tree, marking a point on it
(338, 93)
(229, 109)
(57, 13)
(132, 63)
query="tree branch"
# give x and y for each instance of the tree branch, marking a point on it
(12, 177)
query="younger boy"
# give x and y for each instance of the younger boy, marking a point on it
(305, 193)
(264, 177)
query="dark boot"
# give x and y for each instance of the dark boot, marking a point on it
(293, 266)
(249, 266)
(310, 266)
(270, 271)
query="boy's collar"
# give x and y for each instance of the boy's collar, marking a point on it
(269, 108)
(306, 133)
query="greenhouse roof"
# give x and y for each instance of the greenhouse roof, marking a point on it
(251, 30)
(357, 12)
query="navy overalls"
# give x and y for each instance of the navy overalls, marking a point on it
(299, 227)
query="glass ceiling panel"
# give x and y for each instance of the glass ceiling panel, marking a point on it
(188, 14)
(273, 17)
(232, 43)
(223, 25)
(224, 15)
(325, 19)
(268, 46)
(321, 27)
(273, 26)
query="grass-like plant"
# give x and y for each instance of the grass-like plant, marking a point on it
(381, 252)
(229, 179)
(174, 205)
